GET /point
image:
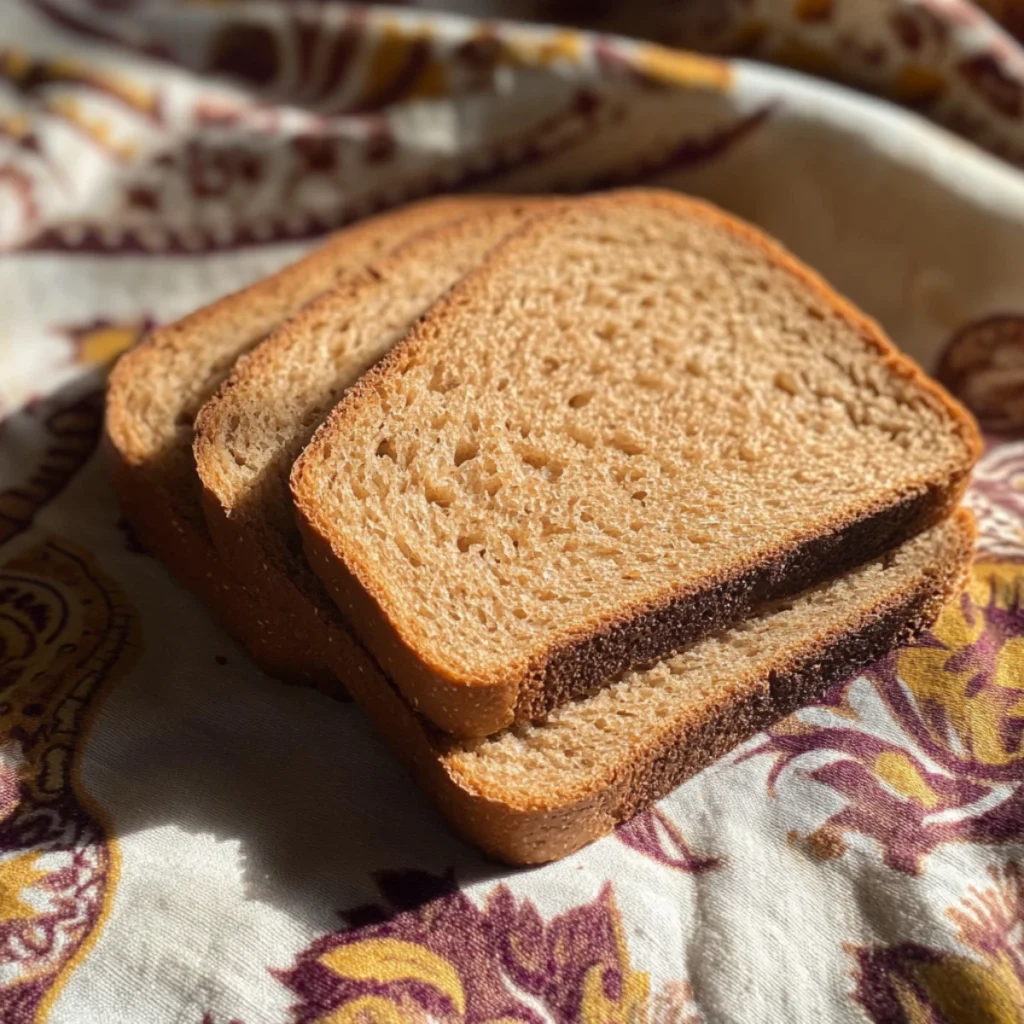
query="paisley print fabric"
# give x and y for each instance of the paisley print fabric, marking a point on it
(184, 839)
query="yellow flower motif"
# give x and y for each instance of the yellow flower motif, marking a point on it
(403, 65)
(374, 1010)
(927, 985)
(99, 345)
(543, 51)
(963, 992)
(971, 684)
(18, 874)
(384, 960)
(98, 129)
(899, 772)
(686, 69)
(631, 1006)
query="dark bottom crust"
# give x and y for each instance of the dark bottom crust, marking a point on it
(622, 645)
(729, 725)
(532, 837)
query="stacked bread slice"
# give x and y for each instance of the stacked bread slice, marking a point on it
(157, 389)
(571, 495)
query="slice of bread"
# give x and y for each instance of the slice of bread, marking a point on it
(540, 791)
(156, 389)
(636, 419)
(249, 434)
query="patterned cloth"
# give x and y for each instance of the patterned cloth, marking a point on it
(184, 839)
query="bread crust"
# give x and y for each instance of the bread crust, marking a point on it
(154, 473)
(584, 655)
(551, 825)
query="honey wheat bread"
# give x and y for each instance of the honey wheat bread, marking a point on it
(634, 420)
(249, 434)
(537, 792)
(156, 389)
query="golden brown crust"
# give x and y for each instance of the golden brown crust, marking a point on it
(479, 706)
(155, 473)
(273, 299)
(553, 825)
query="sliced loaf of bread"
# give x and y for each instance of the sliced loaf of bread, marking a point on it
(537, 792)
(249, 434)
(156, 389)
(635, 420)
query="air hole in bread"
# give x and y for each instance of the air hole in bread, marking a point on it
(534, 457)
(466, 450)
(581, 435)
(440, 494)
(413, 559)
(627, 443)
(653, 381)
(467, 540)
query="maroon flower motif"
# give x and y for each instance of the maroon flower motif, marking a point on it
(431, 953)
(1001, 91)
(910, 983)
(957, 696)
(983, 365)
(653, 834)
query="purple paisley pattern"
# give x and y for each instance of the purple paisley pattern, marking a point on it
(64, 630)
(71, 430)
(996, 498)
